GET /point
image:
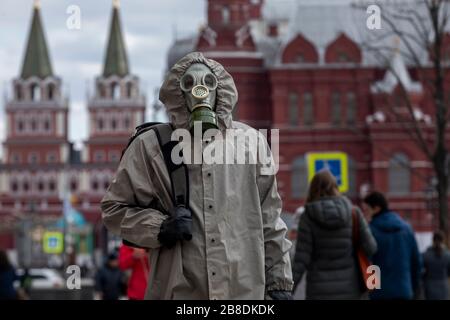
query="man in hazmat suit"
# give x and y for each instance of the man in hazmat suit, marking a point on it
(229, 243)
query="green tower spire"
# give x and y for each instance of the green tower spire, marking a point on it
(36, 61)
(116, 61)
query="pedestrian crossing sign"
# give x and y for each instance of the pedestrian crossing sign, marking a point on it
(335, 162)
(53, 242)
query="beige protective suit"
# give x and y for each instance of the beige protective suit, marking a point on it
(238, 249)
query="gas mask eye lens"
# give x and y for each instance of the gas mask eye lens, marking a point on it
(187, 82)
(210, 81)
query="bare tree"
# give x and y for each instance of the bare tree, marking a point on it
(421, 29)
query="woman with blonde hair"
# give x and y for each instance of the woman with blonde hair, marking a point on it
(325, 245)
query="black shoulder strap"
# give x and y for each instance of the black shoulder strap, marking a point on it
(178, 173)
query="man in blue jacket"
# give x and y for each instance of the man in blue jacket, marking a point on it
(398, 256)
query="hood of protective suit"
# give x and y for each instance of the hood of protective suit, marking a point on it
(172, 96)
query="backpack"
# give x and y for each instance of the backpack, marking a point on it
(178, 173)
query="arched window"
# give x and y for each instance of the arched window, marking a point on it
(52, 185)
(33, 125)
(40, 185)
(35, 92)
(351, 108)
(293, 109)
(20, 125)
(94, 184)
(73, 185)
(399, 174)
(47, 125)
(50, 91)
(106, 184)
(18, 91)
(299, 182)
(308, 111)
(115, 91)
(126, 123)
(99, 156)
(336, 108)
(100, 124)
(33, 158)
(26, 186)
(225, 15)
(129, 89)
(113, 124)
(101, 90)
(14, 186)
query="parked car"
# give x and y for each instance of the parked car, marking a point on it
(43, 278)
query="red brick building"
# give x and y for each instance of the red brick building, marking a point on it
(304, 73)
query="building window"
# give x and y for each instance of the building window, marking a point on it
(399, 174)
(40, 186)
(115, 91)
(101, 90)
(52, 185)
(300, 58)
(343, 57)
(18, 89)
(100, 124)
(126, 123)
(47, 125)
(293, 109)
(51, 157)
(15, 158)
(299, 182)
(94, 185)
(106, 184)
(99, 156)
(336, 108)
(73, 185)
(308, 111)
(33, 125)
(225, 15)
(51, 91)
(14, 186)
(113, 156)
(20, 125)
(129, 89)
(35, 92)
(26, 186)
(351, 108)
(113, 124)
(33, 158)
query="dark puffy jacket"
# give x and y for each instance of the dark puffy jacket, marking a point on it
(437, 272)
(398, 257)
(325, 249)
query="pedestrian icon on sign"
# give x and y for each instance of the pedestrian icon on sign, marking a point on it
(335, 162)
(53, 242)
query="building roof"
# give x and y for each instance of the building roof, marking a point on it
(36, 61)
(116, 60)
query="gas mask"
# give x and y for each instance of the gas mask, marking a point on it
(199, 86)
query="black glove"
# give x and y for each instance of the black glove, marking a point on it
(280, 295)
(176, 228)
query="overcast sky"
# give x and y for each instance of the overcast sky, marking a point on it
(77, 55)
